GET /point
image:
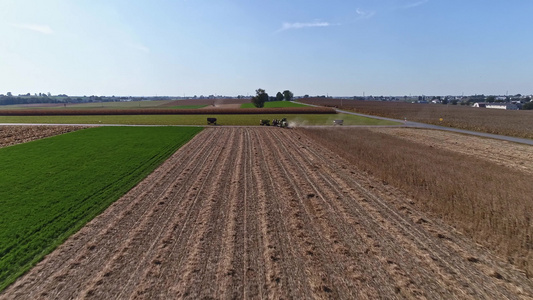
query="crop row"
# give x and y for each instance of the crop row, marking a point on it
(486, 201)
(207, 111)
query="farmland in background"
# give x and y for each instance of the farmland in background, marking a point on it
(51, 187)
(188, 106)
(485, 200)
(495, 121)
(168, 111)
(207, 102)
(185, 103)
(119, 105)
(271, 104)
(92, 105)
(200, 120)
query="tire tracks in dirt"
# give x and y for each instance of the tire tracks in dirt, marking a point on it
(265, 213)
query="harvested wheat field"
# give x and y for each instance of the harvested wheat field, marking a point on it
(264, 213)
(512, 155)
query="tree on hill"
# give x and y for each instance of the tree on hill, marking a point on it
(279, 96)
(288, 95)
(260, 98)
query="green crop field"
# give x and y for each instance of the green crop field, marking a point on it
(50, 188)
(275, 104)
(198, 120)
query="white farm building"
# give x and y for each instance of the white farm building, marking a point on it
(509, 106)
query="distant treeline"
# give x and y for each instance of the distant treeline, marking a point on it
(7, 100)
(17, 100)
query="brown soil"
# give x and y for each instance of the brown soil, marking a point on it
(216, 105)
(42, 105)
(236, 103)
(265, 213)
(11, 135)
(512, 155)
(220, 109)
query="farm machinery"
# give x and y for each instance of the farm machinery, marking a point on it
(278, 123)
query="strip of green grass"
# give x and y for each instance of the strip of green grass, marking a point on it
(244, 120)
(50, 188)
(275, 104)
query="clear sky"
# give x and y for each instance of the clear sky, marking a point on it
(223, 47)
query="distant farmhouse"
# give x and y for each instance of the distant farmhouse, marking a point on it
(508, 106)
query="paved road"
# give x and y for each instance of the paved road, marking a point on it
(429, 126)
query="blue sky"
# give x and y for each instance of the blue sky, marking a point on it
(222, 47)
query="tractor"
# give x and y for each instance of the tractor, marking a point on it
(280, 123)
(283, 123)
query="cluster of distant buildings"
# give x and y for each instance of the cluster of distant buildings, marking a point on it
(515, 102)
(508, 106)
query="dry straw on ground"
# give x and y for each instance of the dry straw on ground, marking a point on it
(489, 202)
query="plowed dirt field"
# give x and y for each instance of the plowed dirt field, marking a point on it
(263, 213)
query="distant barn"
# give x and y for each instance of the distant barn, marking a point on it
(508, 106)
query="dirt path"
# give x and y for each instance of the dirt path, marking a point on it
(262, 213)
